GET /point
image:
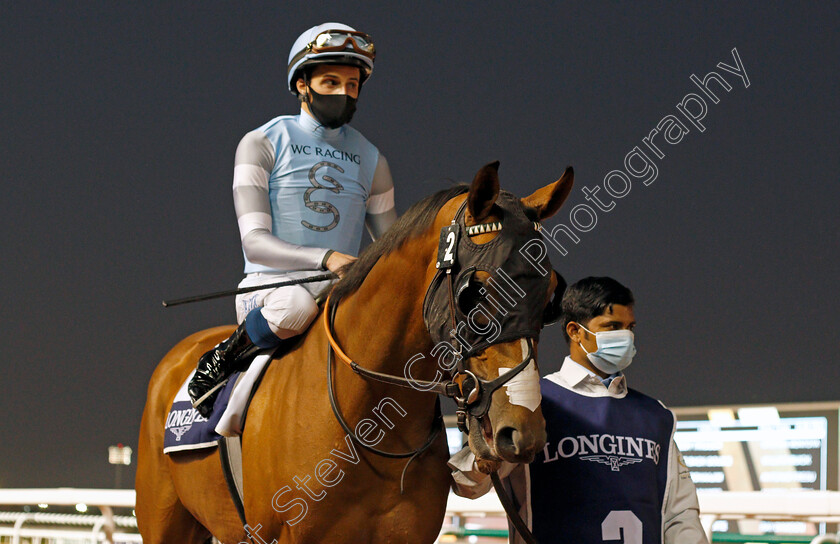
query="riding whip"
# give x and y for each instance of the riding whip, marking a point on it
(232, 292)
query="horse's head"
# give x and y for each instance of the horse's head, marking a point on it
(492, 289)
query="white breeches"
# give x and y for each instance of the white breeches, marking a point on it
(288, 310)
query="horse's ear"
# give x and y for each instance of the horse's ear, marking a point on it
(549, 199)
(484, 191)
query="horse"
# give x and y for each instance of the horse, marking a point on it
(306, 478)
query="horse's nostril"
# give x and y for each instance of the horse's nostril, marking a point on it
(515, 446)
(507, 441)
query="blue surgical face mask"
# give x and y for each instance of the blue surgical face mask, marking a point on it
(615, 350)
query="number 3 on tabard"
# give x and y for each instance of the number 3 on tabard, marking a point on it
(622, 521)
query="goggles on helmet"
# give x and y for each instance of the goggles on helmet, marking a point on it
(337, 40)
(330, 43)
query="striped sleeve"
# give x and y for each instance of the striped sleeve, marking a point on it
(253, 164)
(380, 211)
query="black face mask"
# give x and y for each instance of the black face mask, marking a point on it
(332, 110)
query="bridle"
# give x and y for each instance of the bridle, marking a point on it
(472, 394)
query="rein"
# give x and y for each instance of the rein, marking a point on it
(333, 347)
(329, 316)
(513, 514)
(471, 394)
(475, 403)
(451, 389)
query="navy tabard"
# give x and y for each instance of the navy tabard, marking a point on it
(603, 473)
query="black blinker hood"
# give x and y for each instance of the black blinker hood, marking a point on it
(518, 288)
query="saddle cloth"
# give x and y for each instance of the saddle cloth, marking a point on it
(186, 429)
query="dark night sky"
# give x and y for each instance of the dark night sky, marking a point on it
(119, 124)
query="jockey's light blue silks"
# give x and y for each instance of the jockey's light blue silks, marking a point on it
(308, 186)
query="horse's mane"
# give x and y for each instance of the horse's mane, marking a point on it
(414, 222)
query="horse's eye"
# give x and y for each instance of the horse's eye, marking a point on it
(468, 295)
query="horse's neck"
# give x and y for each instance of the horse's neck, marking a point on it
(381, 324)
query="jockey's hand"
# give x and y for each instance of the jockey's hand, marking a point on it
(337, 261)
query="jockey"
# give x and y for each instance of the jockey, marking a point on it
(303, 187)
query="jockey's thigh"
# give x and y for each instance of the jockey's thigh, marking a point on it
(248, 301)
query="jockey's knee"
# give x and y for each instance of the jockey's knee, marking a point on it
(291, 314)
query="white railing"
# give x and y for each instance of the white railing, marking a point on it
(102, 528)
(805, 506)
(812, 506)
(808, 506)
(61, 536)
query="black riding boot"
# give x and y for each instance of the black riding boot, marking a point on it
(232, 355)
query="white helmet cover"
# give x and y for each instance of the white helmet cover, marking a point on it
(308, 37)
